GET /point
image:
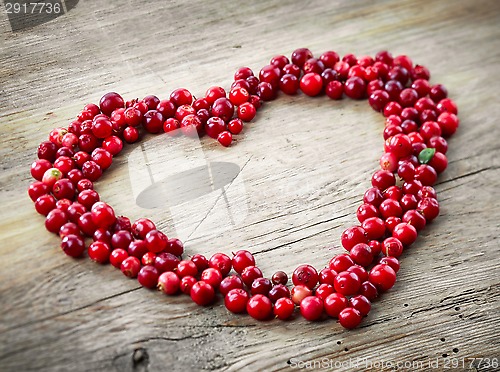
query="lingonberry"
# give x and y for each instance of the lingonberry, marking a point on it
(361, 254)
(334, 304)
(130, 134)
(279, 277)
(187, 283)
(305, 275)
(383, 277)
(200, 261)
(327, 276)
(261, 286)
(169, 283)
(74, 211)
(130, 266)
(149, 258)
(392, 246)
(225, 138)
(350, 318)
(241, 260)
(391, 261)
(99, 252)
(141, 227)
(311, 84)
(69, 228)
(181, 97)
(37, 189)
(247, 111)
(311, 308)
(236, 300)
(299, 292)
(360, 303)
(283, 308)
(165, 261)
(347, 283)
(405, 233)
(117, 257)
(278, 291)
(55, 219)
(214, 126)
(352, 236)
(368, 290)
(259, 307)
(186, 268)
(156, 241)
(73, 245)
(91, 170)
(212, 276)
(289, 84)
(366, 211)
(148, 276)
(373, 196)
(324, 290)
(355, 87)
(44, 204)
(341, 262)
(229, 283)
(390, 208)
(103, 215)
(235, 126)
(202, 293)
(374, 228)
(175, 247)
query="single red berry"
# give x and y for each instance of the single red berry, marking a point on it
(283, 308)
(278, 291)
(368, 290)
(261, 286)
(414, 218)
(392, 262)
(221, 262)
(236, 300)
(360, 303)
(311, 308)
(130, 266)
(241, 260)
(175, 247)
(103, 215)
(361, 253)
(110, 102)
(279, 277)
(324, 290)
(260, 307)
(149, 258)
(429, 207)
(214, 126)
(300, 56)
(334, 90)
(69, 228)
(405, 233)
(187, 283)
(230, 282)
(347, 283)
(117, 257)
(212, 276)
(327, 276)
(311, 84)
(165, 261)
(289, 84)
(148, 276)
(44, 204)
(355, 87)
(235, 126)
(200, 261)
(247, 111)
(181, 97)
(350, 318)
(202, 293)
(392, 246)
(225, 138)
(86, 225)
(169, 283)
(73, 245)
(352, 236)
(366, 211)
(55, 219)
(156, 241)
(186, 268)
(99, 252)
(341, 262)
(305, 275)
(383, 277)
(299, 292)
(374, 228)
(334, 304)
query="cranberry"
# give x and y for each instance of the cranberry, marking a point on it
(148, 276)
(74, 211)
(361, 254)
(373, 196)
(283, 308)
(299, 292)
(392, 246)
(247, 111)
(311, 84)
(117, 257)
(214, 93)
(186, 268)
(102, 235)
(121, 239)
(374, 228)
(366, 211)
(214, 126)
(334, 304)
(241, 260)
(91, 170)
(311, 308)
(261, 286)
(341, 262)
(270, 74)
(334, 90)
(392, 262)
(37, 189)
(229, 283)
(327, 276)
(368, 290)
(350, 318)
(289, 84)
(212, 276)
(130, 267)
(73, 245)
(168, 283)
(383, 277)
(324, 290)
(103, 215)
(223, 108)
(187, 283)
(44, 204)
(149, 258)
(130, 134)
(278, 291)
(99, 252)
(55, 219)
(141, 227)
(236, 300)
(166, 262)
(355, 87)
(110, 102)
(352, 236)
(329, 58)
(47, 151)
(225, 138)
(265, 91)
(305, 275)
(235, 126)
(202, 293)
(156, 241)
(200, 261)
(260, 307)
(347, 283)
(279, 277)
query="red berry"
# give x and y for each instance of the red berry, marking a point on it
(214, 126)
(299, 292)
(165, 261)
(355, 87)
(361, 253)
(187, 283)
(392, 247)
(241, 260)
(341, 263)
(55, 219)
(225, 138)
(141, 227)
(149, 258)
(212, 276)
(247, 111)
(305, 275)
(324, 290)
(99, 252)
(110, 102)
(236, 300)
(202, 293)
(117, 257)
(186, 268)
(169, 283)
(283, 308)
(181, 97)
(311, 308)
(130, 266)
(383, 277)
(279, 277)
(103, 215)
(311, 84)
(347, 283)
(260, 307)
(200, 261)
(350, 318)
(73, 245)
(148, 276)
(230, 282)
(278, 291)
(334, 304)
(405, 233)
(352, 236)
(44, 204)
(175, 247)
(156, 241)
(261, 286)
(361, 303)
(235, 126)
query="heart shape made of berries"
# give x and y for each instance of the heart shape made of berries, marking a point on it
(401, 201)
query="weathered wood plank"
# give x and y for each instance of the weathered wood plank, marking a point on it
(301, 183)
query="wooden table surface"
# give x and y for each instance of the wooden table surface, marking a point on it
(302, 167)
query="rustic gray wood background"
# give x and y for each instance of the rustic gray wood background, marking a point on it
(304, 164)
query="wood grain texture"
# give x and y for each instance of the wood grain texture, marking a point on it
(303, 165)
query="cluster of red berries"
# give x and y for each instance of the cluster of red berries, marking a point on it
(401, 201)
